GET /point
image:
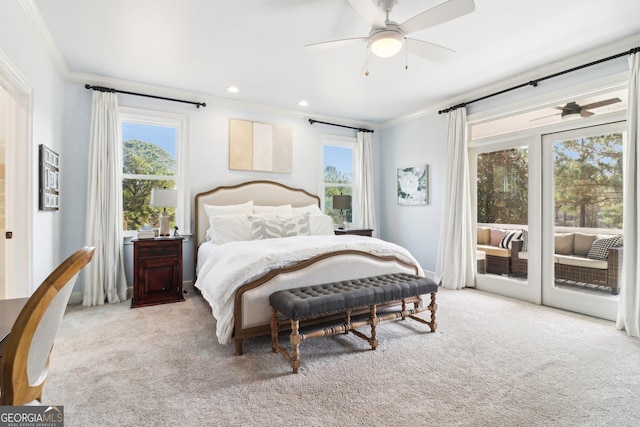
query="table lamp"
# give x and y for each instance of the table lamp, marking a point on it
(341, 202)
(163, 198)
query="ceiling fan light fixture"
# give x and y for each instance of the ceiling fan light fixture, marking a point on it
(386, 43)
(571, 116)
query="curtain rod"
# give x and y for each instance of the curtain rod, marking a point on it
(106, 89)
(534, 83)
(312, 121)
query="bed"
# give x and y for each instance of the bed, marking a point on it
(238, 265)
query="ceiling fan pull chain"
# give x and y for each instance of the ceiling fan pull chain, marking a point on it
(406, 55)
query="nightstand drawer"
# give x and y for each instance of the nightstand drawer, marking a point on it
(157, 250)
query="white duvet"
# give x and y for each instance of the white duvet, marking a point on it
(222, 269)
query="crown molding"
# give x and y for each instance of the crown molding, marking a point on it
(42, 31)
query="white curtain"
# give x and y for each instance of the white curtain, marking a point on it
(366, 202)
(104, 277)
(456, 255)
(629, 306)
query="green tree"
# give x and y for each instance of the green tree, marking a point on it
(333, 176)
(502, 190)
(144, 158)
(588, 181)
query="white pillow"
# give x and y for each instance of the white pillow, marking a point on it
(321, 225)
(312, 209)
(267, 228)
(217, 210)
(279, 210)
(229, 228)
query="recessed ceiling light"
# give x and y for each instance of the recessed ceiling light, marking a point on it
(303, 103)
(233, 89)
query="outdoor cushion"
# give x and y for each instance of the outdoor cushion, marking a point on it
(582, 262)
(494, 250)
(564, 243)
(582, 243)
(484, 235)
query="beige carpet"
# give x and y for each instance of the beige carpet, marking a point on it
(493, 362)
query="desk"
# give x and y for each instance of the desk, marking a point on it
(9, 311)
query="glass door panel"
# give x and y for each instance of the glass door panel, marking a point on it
(583, 219)
(502, 194)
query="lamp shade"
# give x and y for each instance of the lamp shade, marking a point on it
(163, 198)
(341, 202)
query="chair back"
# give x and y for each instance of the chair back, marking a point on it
(25, 360)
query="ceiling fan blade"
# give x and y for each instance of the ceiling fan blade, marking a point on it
(600, 103)
(585, 113)
(338, 43)
(450, 9)
(369, 12)
(430, 51)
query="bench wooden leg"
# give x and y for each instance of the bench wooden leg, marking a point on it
(274, 330)
(295, 339)
(373, 318)
(433, 307)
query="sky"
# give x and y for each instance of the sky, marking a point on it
(340, 157)
(163, 136)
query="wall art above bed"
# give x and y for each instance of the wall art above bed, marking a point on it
(263, 147)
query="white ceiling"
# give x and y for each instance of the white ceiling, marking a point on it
(204, 46)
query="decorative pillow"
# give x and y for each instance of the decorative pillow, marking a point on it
(229, 228)
(563, 244)
(312, 209)
(600, 248)
(280, 210)
(321, 225)
(582, 243)
(267, 228)
(525, 241)
(507, 240)
(484, 235)
(216, 210)
(496, 236)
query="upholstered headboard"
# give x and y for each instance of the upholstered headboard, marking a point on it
(265, 193)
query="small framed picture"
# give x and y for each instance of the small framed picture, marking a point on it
(413, 185)
(49, 178)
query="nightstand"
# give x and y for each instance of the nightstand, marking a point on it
(357, 231)
(157, 271)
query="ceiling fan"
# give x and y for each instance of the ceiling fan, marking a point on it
(573, 111)
(386, 37)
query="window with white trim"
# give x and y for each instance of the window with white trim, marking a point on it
(338, 174)
(153, 156)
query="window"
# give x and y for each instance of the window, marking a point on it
(153, 147)
(338, 161)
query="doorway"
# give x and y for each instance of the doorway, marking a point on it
(16, 277)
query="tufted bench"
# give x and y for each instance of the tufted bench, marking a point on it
(318, 301)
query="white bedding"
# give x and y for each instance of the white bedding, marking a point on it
(222, 269)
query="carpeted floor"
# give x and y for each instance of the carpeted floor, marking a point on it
(492, 362)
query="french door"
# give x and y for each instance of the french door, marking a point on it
(581, 217)
(546, 190)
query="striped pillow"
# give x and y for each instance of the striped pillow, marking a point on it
(600, 247)
(509, 237)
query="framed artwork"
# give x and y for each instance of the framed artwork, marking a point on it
(413, 185)
(263, 147)
(49, 180)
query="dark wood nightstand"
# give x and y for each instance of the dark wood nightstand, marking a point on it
(157, 271)
(357, 231)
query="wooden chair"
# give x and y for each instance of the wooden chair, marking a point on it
(25, 361)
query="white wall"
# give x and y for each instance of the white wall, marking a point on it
(22, 48)
(418, 142)
(208, 139)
